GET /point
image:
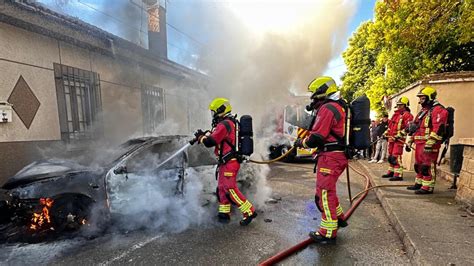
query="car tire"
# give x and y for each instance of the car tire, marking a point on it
(275, 151)
(69, 211)
(290, 157)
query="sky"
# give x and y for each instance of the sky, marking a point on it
(184, 42)
(365, 12)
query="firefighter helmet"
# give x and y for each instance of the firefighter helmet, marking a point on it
(429, 92)
(322, 87)
(219, 107)
(403, 100)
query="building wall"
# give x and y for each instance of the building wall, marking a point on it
(20, 57)
(457, 93)
(465, 191)
(32, 55)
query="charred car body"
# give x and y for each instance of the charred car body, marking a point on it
(58, 195)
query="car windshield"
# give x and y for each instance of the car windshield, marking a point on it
(297, 115)
(107, 155)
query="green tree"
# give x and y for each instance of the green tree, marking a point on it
(406, 41)
(360, 60)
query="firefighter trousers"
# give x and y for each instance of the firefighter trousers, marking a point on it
(395, 151)
(228, 192)
(330, 166)
(424, 166)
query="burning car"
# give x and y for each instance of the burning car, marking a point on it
(52, 196)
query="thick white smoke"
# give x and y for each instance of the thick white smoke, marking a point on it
(150, 200)
(256, 70)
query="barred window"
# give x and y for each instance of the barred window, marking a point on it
(153, 103)
(79, 101)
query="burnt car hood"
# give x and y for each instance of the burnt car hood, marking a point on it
(42, 170)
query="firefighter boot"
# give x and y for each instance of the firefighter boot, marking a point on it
(247, 220)
(423, 191)
(396, 178)
(317, 238)
(388, 175)
(341, 223)
(223, 218)
(414, 187)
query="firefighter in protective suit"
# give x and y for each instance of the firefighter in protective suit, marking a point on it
(427, 130)
(223, 138)
(327, 134)
(396, 135)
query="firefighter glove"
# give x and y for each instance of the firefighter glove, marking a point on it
(197, 136)
(299, 143)
(199, 133)
(412, 128)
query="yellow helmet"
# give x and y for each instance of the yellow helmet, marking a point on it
(429, 92)
(403, 100)
(322, 87)
(220, 107)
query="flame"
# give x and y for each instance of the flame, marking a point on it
(41, 219)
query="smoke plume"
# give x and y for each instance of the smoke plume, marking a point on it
(256, 70)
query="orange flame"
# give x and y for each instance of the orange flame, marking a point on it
(42, 218)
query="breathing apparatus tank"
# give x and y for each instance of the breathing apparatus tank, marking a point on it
(245, 136)
(359, 137)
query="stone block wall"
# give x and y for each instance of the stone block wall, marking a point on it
(465, 192)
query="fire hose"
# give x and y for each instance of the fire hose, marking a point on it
(274, 160)
(298, 247)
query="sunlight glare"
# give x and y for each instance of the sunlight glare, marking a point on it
(272, 16)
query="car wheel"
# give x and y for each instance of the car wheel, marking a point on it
(275, 152)
(290, 157)
(70, 212)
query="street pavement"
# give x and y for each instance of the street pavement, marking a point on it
(282, 223)
(435, 229)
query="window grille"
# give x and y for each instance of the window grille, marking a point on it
(79, 102)
(153, 107)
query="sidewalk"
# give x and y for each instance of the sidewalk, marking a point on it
(433, 228)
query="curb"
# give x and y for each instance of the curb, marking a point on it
(411, 250)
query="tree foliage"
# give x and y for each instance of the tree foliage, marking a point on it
(406, 41)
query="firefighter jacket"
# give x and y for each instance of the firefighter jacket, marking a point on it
(328, 127)
(431, 124)
(397, 125)
(222, 137)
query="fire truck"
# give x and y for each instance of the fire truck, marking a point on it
(288, 121)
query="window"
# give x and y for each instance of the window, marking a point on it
(153, 103)
(290, 115)
(79, 101)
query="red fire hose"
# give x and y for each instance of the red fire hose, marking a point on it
(300, 246)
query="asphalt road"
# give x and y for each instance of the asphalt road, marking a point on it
(283, 222)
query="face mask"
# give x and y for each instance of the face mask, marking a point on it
(314, 105)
